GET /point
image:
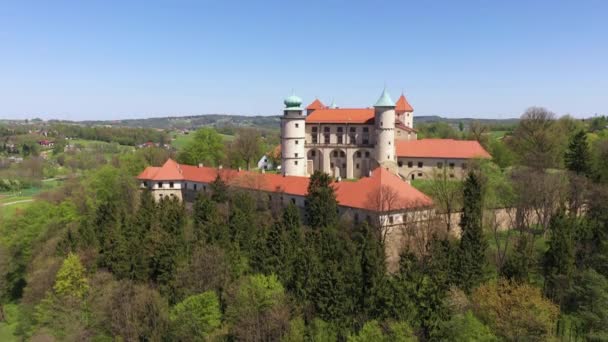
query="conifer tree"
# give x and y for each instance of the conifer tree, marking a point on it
(372, 270)
(207, 225)
(321, 203)
(472, 258)
(559, 259)
(577, 157)
(219, 190)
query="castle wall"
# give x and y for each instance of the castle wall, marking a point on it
(409, 168)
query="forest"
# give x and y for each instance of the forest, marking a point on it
(96, 259)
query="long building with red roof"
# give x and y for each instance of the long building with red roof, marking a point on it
(348, 143)
(381, 192)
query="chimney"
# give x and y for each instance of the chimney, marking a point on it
(369, 173)
(220, 167)
(339, 179)
(200, 165)
(239, 169)
(263, 170)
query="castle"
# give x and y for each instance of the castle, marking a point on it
(351, 142)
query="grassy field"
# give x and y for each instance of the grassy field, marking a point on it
(24, 198)
(182, 139)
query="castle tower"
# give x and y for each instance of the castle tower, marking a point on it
(293, 153)
(384, 111)
(405, 112)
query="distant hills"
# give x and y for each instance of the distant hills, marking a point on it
(265, 122)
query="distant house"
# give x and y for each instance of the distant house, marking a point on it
(265, 163)
(46, 143)
(147, 144)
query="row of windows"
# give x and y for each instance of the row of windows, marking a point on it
(340, 154)
(439, 165)
(160, 184)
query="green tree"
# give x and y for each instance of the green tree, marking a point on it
(257, 309)
(466, 327)
(196, 317)
(515, 312)
(472, 242)
(321, 203)
(219, 190)
(206, 147)
(207, 221)
(70, 279)
(587, 304)
(560, 257)
(577, 157)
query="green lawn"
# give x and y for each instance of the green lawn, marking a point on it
(182, 139)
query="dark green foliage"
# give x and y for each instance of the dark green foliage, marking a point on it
(208, 226)
(372, 271)
(587, 305)
(519, 264)
(472, 242)
(559, 259)
(321, 204)
(577, 157)
(219, 190)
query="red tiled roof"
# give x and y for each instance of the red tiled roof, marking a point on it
(316, 104)
(402, 105)
(342, 115)
(370, 193)
(441, 148)
(382, 191)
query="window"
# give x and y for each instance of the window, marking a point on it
(315, 139)
(340, 135)
(331, 165)
(326, 129)
(419, 164)
(381, 123)
(419, 174)
(400, 164)
(451, 165)
(357, 166)
(390, 219)
(353, 129)
(297, 125)
(160, 184)
(440, 165)
(365, 129)
(342, 154)
(313, 153)
(451, 175)
(366, 154)
(335, 154)
(410, 164)
(365, 140)
(293, 200)
(297, 142)
(389, 142)
(315, 129)
(326, 135)
(358, 154)
(388, 156)
(146, 184)
(295, 155)
(343, 166)
(356, 218)
(295, 162)
(171, 185)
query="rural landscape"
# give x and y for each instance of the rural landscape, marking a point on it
(319, 171)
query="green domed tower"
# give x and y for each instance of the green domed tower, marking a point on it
(293, 138)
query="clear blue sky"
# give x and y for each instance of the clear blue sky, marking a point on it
(120, 59)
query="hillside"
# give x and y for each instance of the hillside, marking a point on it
(258, 121)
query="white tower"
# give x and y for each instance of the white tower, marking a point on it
(293, 133)
(385, 131)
